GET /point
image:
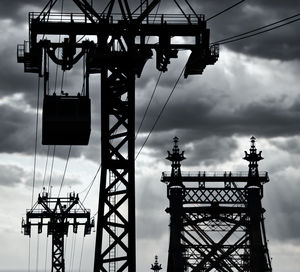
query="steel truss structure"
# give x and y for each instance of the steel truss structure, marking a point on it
(58, 214)
(122, 45)
(217, 221)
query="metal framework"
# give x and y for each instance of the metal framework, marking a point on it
(123, 44)
(58, 214)
(216, 218)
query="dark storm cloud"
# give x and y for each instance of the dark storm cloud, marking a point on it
(210, 151)
(16, 129)
(280, 44)
(206, 132)
(201, 119)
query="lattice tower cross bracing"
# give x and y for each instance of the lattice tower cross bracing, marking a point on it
(58, 214)
(123, 44)
(216, 218)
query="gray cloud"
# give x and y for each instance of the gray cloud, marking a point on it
(199, 120)
(282, 204)
(11, 175)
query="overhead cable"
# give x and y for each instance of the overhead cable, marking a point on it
(91, 184)
(225, 10)
(149, 103)
(257, 31)
(160, 113)
(65, 170)
(36, 137)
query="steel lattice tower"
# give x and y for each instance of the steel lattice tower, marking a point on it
(58, 214)
(216, 218)
(124, 42)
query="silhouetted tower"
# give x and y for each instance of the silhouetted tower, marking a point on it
(58, 214)
(219, 219)
(175, 195)
(156, 267)
(258, 258)
(124, 42)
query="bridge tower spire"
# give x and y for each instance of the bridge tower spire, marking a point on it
(216, 218)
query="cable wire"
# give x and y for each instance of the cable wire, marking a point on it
(257, 32)
(161, 112)
(29, 254)
(81, 254)
(36, 138)
(65, 170)
(46, 256)
(51, 172)
(37, 253)
(46, 166)
(223, 11)
(149, 103)
(91, 184)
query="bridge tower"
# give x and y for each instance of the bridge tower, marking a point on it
(216, 218)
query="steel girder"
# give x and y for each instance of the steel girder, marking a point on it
(117, 173)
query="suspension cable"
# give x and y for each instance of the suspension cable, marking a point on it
(37, 253)
(149, 103)
(29, 253)
(65, 170)
(161, 112)
(81, 254)
(91, 184)
(51, 172)
(257, 31)
(46, 166)
(223, 11)
(36, 139)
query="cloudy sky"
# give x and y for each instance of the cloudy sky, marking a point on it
(253, 89)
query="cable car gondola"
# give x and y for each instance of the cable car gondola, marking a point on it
(66, 120)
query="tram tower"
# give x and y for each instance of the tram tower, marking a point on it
(124, 40)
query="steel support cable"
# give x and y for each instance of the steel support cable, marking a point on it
(65, 170)
(59, 40)
(257, 31)
(51, 172)
(91, 184)
(74, 249)
(46, 166)
(155, 15)
(140, 6)
(46, 256)
(72, 252)
(261, 32)
(223, 11)
(149, 103)
(81, 254)
(29, 254)
(36, 137)
(37, 253)
(161, 112)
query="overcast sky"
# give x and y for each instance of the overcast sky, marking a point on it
(253, 89)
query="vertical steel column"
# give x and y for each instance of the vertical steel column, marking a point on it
(117, 116)
(58, 262)
(175, 195)
(258, 258)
